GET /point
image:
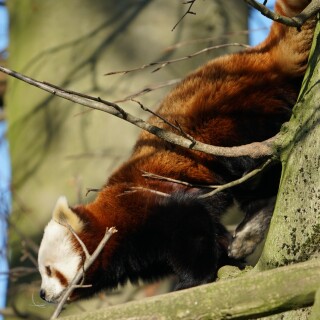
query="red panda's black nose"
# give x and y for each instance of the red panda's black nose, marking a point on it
(42, 294)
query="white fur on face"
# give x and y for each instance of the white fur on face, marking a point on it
(57, 255)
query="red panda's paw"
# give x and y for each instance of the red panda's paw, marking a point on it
(251, 231)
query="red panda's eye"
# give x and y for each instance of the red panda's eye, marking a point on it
(48, 271)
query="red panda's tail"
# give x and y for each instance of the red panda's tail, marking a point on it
(288, 46)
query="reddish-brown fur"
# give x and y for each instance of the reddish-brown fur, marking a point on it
(233, 100)
(61, 277)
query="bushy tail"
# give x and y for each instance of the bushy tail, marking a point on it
(289, 46)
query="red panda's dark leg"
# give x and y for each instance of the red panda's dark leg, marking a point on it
(202, 259)
(197, 242)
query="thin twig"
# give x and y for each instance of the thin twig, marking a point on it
(83, 246)
(19, 272)
(254, 150)
(74, 283)
(191, 2)
(92, 190)
(185, 183)
(176, 126)
(296, 21)
(28, 241)
(212, 39)
(155, 114)
(185, 134)
(159, 193)
(165, 63)
(238, 181)
(149, 89)
(217, 188)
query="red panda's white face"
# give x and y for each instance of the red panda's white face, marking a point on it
(58, 258)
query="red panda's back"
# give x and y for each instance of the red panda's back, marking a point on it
(233, 100)
(258, 84)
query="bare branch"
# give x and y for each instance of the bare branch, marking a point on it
(26, 240)
(188, 184)
(26, 254)
(92, 190)
(176, 126)
(165, 63)
(135, 189)
(18, 272)
(253, 150)
(296, 21)
(212, 39)
(88, 262)
(191, 2)
(149, 89)
(83, 246)
(186, 135)
(238, 181)
(217, 188)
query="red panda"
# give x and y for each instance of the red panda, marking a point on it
(230, 101)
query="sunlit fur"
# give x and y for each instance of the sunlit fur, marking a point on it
(233, 100)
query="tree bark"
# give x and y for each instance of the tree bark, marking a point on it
(294, 233)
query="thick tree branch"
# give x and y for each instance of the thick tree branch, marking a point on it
(260, 294)
(253, 150)
(297, 21)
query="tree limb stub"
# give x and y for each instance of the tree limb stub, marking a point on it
(253, 150)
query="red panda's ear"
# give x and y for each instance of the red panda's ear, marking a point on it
(65, 216)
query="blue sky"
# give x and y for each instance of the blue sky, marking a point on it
(4, 173)
(257, 21)
(4, 205)
(259, 25)
(3, 27)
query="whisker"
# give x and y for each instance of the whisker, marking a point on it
(34, 304)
